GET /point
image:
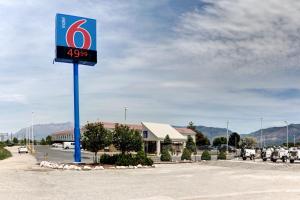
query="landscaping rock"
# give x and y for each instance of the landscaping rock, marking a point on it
(87, 168)
(99, 168)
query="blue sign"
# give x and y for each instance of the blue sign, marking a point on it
(75, 40)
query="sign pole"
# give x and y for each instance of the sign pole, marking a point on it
(77, 153)
(75, 41)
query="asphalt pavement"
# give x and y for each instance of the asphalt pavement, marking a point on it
(45, 152)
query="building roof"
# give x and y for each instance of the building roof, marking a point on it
(162, 130)
(186, 131)
(107, 125)
(111, 125)
(64, 132)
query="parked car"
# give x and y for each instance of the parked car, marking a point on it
(205, 147)
(57, 145)
(22, 149)
(223, 147)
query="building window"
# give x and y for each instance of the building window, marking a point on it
(145, 134)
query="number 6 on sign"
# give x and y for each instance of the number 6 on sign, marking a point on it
(74, 28)
(75, 40)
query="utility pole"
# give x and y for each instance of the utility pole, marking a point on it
(125, 113)
(32, 137)
(287, 134)
(227, 136)
(261, 133)
(294, 140)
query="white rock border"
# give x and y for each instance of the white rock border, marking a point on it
(53, 165)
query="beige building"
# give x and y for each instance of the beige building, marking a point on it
(153, 135)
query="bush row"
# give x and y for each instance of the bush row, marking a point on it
(4, 153)
(126, 159)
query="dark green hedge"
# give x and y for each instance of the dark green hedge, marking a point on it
(165, 155)
(186, 154)
(126, 159)
(222, 156)
(205, 155)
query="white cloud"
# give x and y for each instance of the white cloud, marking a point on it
(198, 67)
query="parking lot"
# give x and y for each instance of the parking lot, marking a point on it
(45, 152)
(22, 179)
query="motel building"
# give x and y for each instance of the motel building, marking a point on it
(153, 135)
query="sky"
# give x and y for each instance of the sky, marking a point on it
(168, 61)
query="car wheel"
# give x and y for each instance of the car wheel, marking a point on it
(244, 158)
(264, 159)
(291, 161)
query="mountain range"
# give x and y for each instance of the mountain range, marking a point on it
(43, 130)
(270, 136)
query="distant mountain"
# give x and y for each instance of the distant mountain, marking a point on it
(213, 132)
(43, 130)
(277, 135)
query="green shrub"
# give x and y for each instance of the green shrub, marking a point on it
(186, 154)
(126, 160)
(205, 155)
(4, 153)
(222, 156)
(165, 155)
(107, 159)
(141, 158)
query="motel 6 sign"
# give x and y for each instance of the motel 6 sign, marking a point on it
(75, 40)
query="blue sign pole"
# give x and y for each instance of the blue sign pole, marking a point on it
(77, 153)
(75, 39)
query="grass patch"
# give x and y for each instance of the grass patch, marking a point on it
(4, 153)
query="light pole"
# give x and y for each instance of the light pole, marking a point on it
(261, 133)
(125, 113)
(287, 134)
(32, 137)
(227, 137)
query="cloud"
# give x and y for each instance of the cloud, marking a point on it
(207, 61)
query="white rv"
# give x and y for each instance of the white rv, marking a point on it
(69, 145)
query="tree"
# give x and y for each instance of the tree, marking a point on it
(186, 154)
(205, 155)
(15, 140)
(167, 143)
(190, 144)
(248, 142)
(49, 140)
(165, 155)
(96, 137)
(219, 141)
(191, 126)
(234, 139)
(126, 139)
(200, 138)
(43, 142)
